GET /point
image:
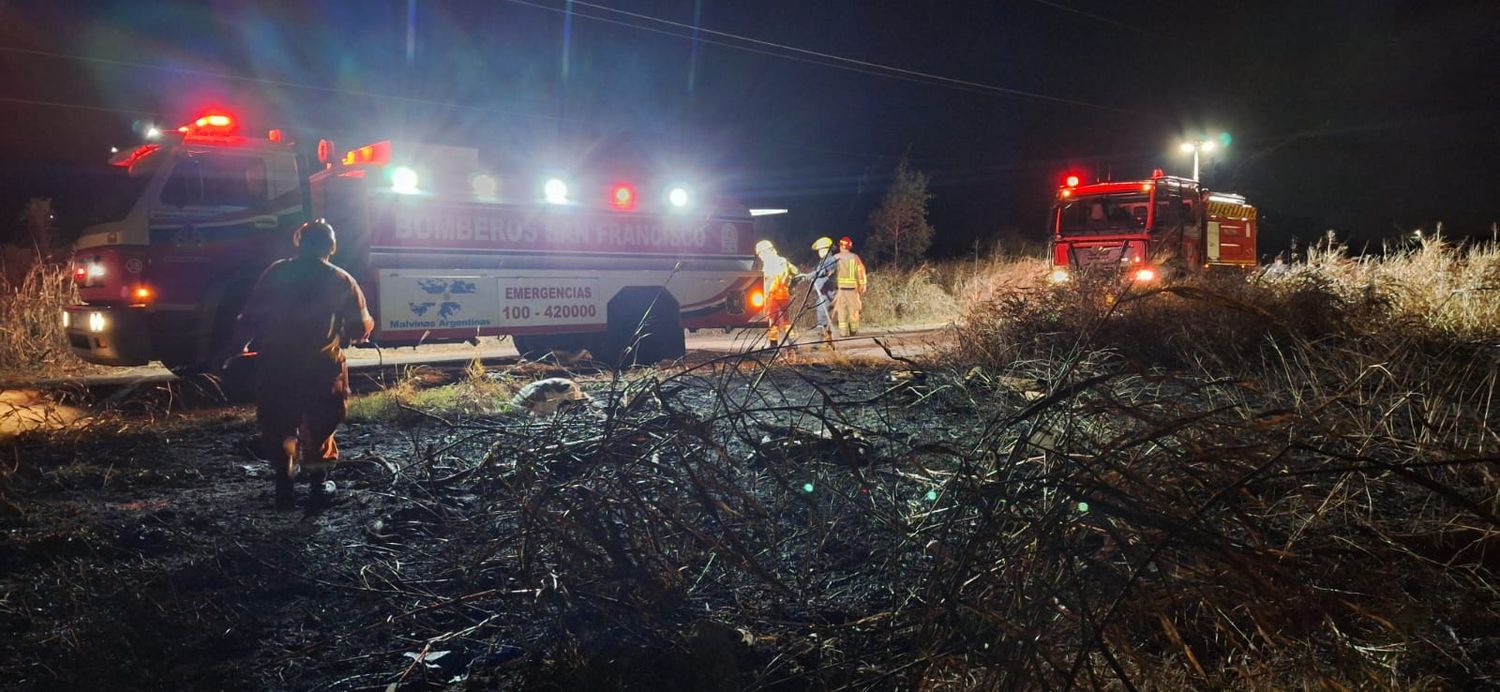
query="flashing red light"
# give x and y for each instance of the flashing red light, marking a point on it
(327, 151)
(135, 155)
(80, 274)
(622, 197)
(274, 135)
(378, 154)
(1071, 181)
(210, 124)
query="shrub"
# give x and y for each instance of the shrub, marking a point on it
(33, 292)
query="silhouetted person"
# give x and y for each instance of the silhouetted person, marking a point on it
(300, 315)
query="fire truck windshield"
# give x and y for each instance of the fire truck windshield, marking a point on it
(1101, 214)
(216, 180)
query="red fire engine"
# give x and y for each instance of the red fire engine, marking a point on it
(1149, 229)
(445, 250)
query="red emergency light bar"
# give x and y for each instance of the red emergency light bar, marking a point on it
(1071, 181)
(378, 154)
(210, 124)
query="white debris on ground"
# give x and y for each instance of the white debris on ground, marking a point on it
(545, 397)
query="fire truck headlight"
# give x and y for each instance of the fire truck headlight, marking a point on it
(1059, 276)
(678, 197)
(96, 270)
(97, 322)
(67, 319)
(403, 180)
(555, 191)
(1146, 274)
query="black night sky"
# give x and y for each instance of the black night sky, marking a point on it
(1372, 117)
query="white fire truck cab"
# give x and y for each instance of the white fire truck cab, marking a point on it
(445, 250)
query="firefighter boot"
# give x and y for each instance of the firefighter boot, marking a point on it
(284, 471)
(321, 492)
(285, 496)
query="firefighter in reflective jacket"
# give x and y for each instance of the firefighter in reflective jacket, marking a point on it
(849, 274)
(778, 274)
(301, 314)
(823, 286)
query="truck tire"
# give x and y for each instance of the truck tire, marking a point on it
(528, 346)
(645, 327)
(538, 346)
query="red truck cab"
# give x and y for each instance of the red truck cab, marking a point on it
(1149, 229)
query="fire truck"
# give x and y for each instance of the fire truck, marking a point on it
(1149, 230)
(446, 250)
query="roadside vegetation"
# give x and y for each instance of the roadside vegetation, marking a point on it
(33, 290)
(421, 391)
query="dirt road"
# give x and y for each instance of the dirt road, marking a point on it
(903, 341)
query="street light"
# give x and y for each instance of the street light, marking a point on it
(1202, 146)
(1196, 147)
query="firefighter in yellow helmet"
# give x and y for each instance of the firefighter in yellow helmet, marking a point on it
(849, 276)
(777, 275)
(823, 286)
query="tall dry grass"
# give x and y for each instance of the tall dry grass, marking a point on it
(1278, 481)
(932, 293)
(33, 292)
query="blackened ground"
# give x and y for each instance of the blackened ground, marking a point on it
(747, 525)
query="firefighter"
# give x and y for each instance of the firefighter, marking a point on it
(301, 314)
(849, 276)
(823, 285)
(777, 284)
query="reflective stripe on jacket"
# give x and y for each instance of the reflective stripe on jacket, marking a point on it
(851, 270)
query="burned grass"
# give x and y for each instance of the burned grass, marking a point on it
(1296, 490)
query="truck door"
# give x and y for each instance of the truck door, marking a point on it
(214, 227)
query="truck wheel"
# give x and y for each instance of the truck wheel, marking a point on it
(645, 326)
(530, 347)
(537, 346)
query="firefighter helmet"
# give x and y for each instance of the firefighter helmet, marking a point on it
(763, 247)
(846, 241)
(823, 243)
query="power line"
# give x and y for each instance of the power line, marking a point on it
(818, 57)
(230, 76)
(1090, 15)
(77, 106)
